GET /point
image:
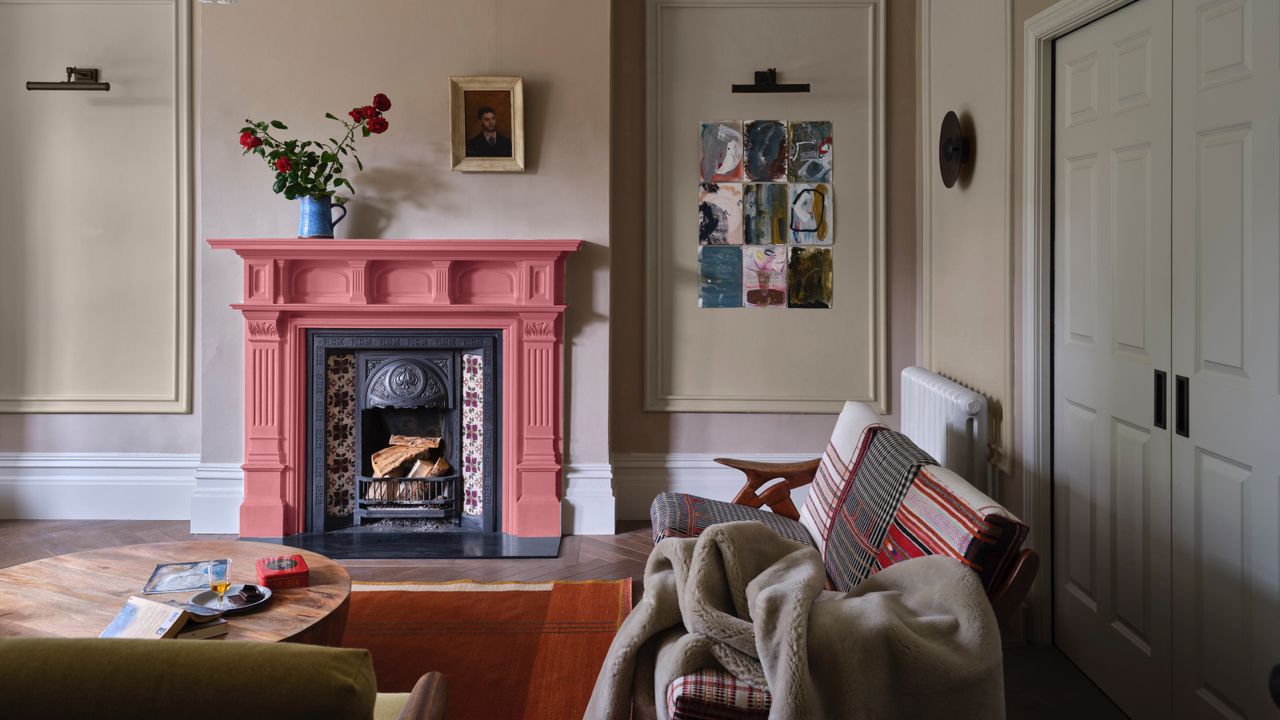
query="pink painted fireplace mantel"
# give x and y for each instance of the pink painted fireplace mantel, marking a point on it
(293, 285)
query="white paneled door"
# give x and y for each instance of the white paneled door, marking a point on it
(1166, 407)
(1111, 345)
(1226, 316)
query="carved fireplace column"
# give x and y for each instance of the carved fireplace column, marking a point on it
(538, 467)
(263, 510)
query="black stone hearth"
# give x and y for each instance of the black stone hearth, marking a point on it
(419, 546)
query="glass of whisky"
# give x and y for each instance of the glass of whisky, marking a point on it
(220, 580)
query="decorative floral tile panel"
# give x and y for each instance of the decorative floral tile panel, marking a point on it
(340, 435)
(473, 434)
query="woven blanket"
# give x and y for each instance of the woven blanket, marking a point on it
(916, 640)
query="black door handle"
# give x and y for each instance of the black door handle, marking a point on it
(1162, 400)
(1182, 393)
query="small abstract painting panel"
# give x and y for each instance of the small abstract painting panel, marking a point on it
(809, 152)
(765, 150)
(721, 151)
(720, 272)
(764, 277)
(812, 214)
(720, 214)
(764, 213)
(809, 277)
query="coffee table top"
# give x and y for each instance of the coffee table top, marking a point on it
(77, 595)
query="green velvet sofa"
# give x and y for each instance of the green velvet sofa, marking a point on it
(197, 679)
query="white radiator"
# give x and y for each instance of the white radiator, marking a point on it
(948, 421)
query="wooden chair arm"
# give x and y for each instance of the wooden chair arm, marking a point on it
(1012, 589)
(778, 497)
(427, 700)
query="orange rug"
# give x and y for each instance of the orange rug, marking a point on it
(509, 650)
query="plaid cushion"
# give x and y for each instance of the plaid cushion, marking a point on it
(887, 465)
(686, 516)
(715, 695)
(944, 515)
(835, 470)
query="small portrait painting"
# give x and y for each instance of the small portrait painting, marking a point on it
(488, 123)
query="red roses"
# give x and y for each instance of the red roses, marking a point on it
(314, 167)
(371, 115)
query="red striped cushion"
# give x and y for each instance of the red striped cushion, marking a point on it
(836, 470)
(941, 514)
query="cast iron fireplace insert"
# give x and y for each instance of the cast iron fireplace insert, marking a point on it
(408, 382)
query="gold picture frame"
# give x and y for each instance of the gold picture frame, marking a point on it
(487, 123)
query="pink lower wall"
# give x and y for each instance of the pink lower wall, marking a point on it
(634, 430)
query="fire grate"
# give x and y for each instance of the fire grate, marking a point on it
(401, 498)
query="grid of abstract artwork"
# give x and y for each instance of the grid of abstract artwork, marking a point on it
(766, 214)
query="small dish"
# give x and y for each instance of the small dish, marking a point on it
(236, 602)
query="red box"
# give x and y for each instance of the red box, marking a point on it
(283, 571)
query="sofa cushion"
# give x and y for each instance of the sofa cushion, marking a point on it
(716, 695)
(833, 472)
(883, 471)
(388, 706)
(190, 679)
(942, 514)
(686, 516)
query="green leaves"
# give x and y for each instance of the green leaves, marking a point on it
(358, 163)
(364, 130)
(279, 125)
(331, 116)
(279, 184)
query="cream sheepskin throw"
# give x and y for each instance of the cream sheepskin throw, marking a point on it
(916, 640)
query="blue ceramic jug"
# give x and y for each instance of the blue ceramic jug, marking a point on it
(316, 219)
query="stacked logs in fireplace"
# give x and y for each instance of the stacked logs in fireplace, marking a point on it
(411, 480)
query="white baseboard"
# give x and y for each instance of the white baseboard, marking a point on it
(96, 486)
(589, 507)
(641, 476)
(215, 504)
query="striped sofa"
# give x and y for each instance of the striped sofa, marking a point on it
(875, 499)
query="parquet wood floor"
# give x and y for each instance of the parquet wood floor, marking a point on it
(1039, 681)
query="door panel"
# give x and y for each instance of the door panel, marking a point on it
(1111, 333)
(1226, 314)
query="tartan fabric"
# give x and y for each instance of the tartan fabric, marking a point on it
(888, 464)
(942, 514)
(686, 516)
(835, 469)
(715, 695)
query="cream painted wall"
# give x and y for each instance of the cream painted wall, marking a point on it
(129, 69)
(969, 270)
(295, 59)
(966, 278)
(635, 431)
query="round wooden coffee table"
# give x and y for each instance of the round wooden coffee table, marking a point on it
(77, 595)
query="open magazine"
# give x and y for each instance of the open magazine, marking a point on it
(179, 577)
